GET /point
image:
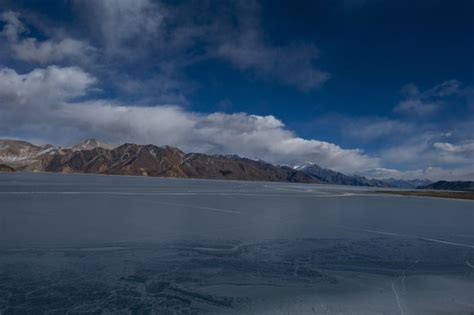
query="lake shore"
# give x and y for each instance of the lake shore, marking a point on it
(438, 194)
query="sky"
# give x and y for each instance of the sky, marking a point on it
(377, 88)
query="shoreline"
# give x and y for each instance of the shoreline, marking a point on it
(463, 195)
(444, 194)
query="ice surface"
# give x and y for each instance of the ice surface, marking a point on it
(112, 244)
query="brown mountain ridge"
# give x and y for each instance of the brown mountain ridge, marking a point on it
(142, 160)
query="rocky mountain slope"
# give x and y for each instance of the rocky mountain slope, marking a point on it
(400, 183)
(19, 153)
(142, 160)
(6, 168)
(454, 185)
(332, 177)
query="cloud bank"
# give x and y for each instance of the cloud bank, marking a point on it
(31, 49)
(45, 100)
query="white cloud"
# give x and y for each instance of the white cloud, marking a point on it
(446, 88)
(423, 103)
(417, 106)
(427, 148)
(45, 87)
(13, 27)
(466, 146)
(123, 24)
(264, 137)
(44, 52)
(372, 128)
(28, 101)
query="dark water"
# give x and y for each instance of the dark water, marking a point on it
(119, 245)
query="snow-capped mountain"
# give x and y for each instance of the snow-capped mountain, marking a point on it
(332, 177)
(401, 183)
(89, 144)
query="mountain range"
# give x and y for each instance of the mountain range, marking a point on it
(92, 156)
(454, 185)
(401, 183)
(329, 176)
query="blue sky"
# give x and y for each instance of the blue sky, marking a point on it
(380, 88)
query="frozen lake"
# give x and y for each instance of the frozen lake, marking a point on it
(111, 244)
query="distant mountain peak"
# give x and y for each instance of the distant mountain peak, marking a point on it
(89, 144)
(306, 165)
